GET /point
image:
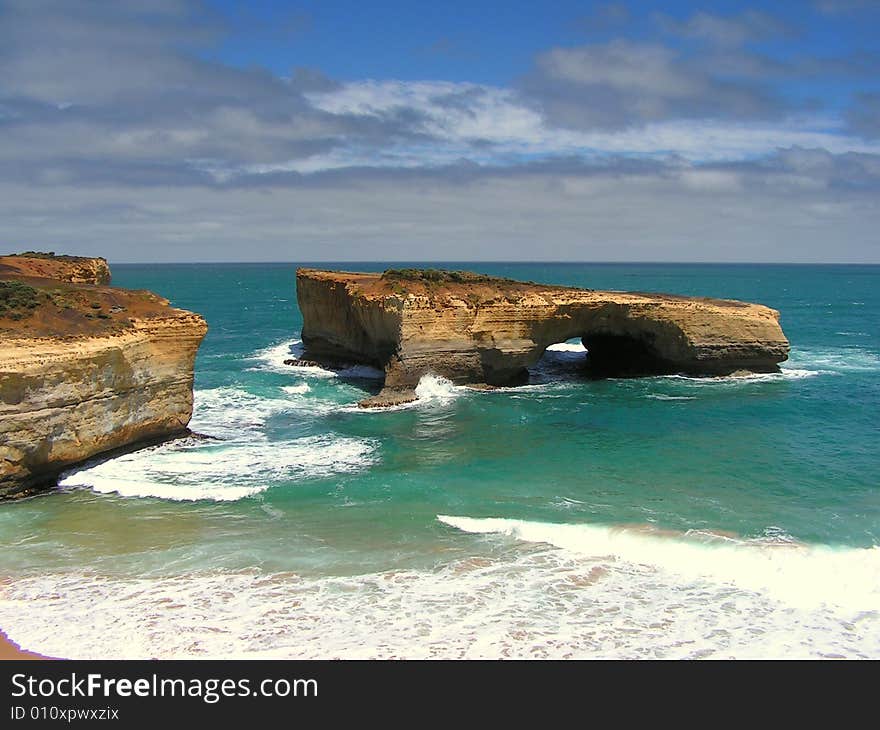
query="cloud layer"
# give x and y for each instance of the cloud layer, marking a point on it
(120, 134)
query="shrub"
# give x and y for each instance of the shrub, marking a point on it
(17, 299)
(37, 254)
(440, 276)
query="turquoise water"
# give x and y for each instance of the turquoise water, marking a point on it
(654, 517)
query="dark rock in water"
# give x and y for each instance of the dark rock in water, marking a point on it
(302, 363)
(389, 397)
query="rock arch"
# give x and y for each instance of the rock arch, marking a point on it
(474, 329)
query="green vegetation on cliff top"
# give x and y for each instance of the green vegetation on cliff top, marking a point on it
(46, 255)
(440, 276)
(17, 299)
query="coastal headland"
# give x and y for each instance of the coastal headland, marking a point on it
(85, 368)
(487, 331)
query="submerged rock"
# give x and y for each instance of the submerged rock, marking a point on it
(390, 397)
(475, 329)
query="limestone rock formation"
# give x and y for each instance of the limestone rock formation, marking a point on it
(72, 269)
(84, 369)
(476, 329)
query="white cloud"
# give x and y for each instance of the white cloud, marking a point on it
(746, 212)
(492, 125)
(117, 138)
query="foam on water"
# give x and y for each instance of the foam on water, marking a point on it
(800, 575)
(575, 347)
(838, 360)
(786, 374)
(431, 391)
(190, 470)
(808, 364)
(434, 389)
(239, 460)
(530, 602)
(273, 357)
(232, 413)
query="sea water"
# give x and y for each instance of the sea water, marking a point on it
(655, 517)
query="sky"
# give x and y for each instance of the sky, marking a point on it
(220, 130)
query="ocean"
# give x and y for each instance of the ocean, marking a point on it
(663, 517)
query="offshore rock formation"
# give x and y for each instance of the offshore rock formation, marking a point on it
(475, 329)
(85, 368)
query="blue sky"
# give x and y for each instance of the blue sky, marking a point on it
(495, 42)
(164, 130)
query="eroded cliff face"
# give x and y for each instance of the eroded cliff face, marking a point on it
(71, 269)
(474, 329)
(85, 370)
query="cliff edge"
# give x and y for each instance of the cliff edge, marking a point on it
(476, 329)
(85, 368)
(72, 269)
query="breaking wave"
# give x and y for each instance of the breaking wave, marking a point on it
(798, 574)
(614, 594)
(434, 388)
(272, 359)
(189, 470)
(237, 461)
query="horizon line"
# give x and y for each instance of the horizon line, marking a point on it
(499, 261)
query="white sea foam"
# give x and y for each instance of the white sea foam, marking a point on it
(434, 388)
(298, 389)
(272, 359)
(221, 471)
(232, 413)
(431, 391)
(804, 576)
(838, 360)
(273, 356)
(734, 380)
(530, 601)
(575, 347)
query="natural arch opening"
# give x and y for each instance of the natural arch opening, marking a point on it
(621, 356)
(599, 355)
(560, 361)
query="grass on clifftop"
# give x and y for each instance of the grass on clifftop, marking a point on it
(36, 254)
(48, 255)
(434, 280)
(17, 299)
(440, 276)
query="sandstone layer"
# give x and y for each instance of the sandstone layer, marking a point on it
(72, 269)
(474, 329)
(86, 369)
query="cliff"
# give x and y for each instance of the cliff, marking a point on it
(84, 369)
(476, 329)
(72, 269)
